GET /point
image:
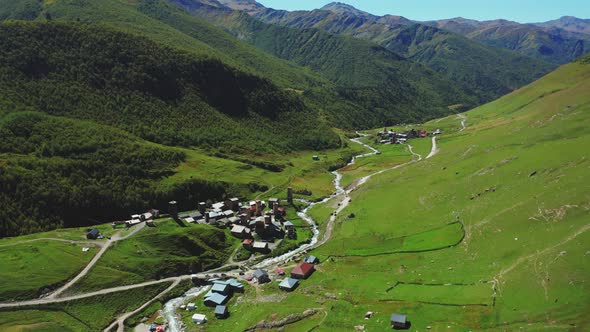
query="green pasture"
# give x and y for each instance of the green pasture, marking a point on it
(505, 205)
(28, 268)
(157, 252)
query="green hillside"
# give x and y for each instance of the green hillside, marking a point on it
(165, 23)
(371, 76)
(154, 92)
(484, 71)
(79, 104)
(491, 233)
(50, 163)
(159, 252)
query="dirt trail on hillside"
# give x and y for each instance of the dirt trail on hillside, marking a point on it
(91, 294)
(463, 119)
(434, 149)
(521, 260)
(100, 244)
(120, 322)
(90, 265)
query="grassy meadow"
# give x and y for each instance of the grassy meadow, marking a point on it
(27, 268)
(491, 233)
(156, 252)
(91, 314)
(297, 170)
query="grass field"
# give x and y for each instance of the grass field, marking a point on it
(93, 314)
(391, 155)
(27, 268)
(73, 234)
(495, 227)
(162, 251)
(298, 171)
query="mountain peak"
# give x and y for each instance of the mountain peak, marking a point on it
(248, 6)
(343, 8)
(569, 23)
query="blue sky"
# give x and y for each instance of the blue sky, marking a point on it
(524, 11)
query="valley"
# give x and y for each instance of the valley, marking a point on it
(219, 165)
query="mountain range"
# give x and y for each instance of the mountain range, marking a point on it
(86, 87)
(485, 71)
(558, 41)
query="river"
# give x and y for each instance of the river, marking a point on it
(172, 306)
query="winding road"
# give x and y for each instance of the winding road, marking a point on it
(463, 118)
(84, 272)
(100, 244)
(120, 321)
(341, 193)
(434, 149)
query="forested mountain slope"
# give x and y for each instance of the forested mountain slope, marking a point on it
(165, 23)
(390, 85)
(549, 42)
(75, 100)
(154, 92)
(491, 72)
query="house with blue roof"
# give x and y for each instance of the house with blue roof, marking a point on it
(215, 299)
(221, 312)
(220, 288)
(289, 284)
(312, 260)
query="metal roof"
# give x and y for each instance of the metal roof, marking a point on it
(216, 298)
(219, 287)
(220, 310)
(311, 259)
(238, 229)
(289, 283)
(259, 273)
(398, 318)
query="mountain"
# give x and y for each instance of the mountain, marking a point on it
(146, 89)
(82, 106)
(549, 42)
(568, 23)
(488, 71)
(248, 6)
(166, 23)
(368, 74)
(342, 8)
(98, 110)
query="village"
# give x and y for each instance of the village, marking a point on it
(259, 225)
(389, 136)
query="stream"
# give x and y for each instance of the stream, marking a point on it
(169, 310)
(171, 306)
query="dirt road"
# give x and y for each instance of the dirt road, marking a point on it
(90, 265)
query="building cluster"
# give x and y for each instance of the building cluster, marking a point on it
(298, 273)
(389, 136)
(221, 291)
(257, 223)
(144, 217)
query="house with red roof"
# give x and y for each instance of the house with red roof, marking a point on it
(302, 271)
(247, 244)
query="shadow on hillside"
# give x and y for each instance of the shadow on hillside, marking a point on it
(180, 222)
(407, 327)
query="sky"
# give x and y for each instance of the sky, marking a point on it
(524, 11)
